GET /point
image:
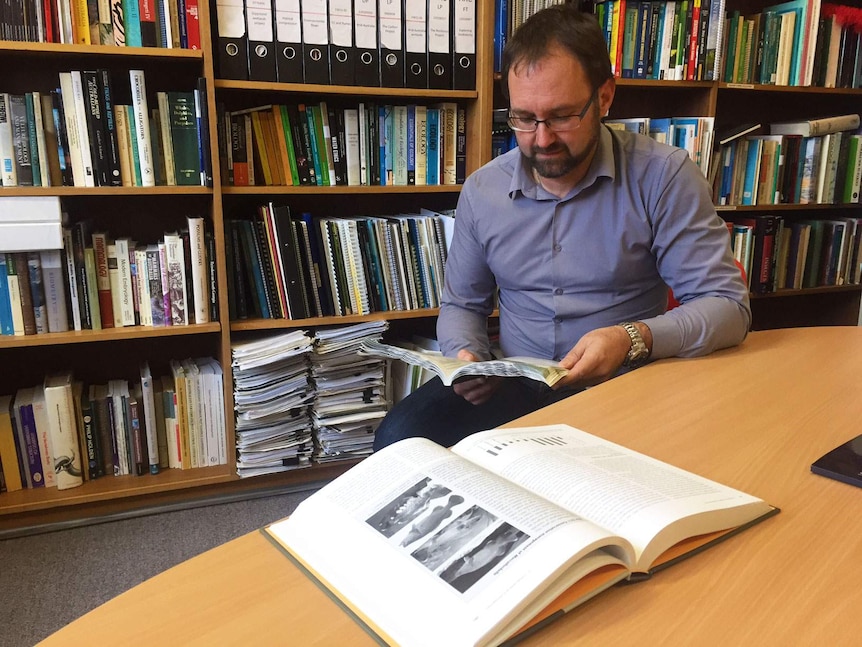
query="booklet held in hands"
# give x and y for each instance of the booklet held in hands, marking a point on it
(451, 369)
(501, 534)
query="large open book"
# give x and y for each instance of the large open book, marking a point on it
(450, 369)
(502, 533)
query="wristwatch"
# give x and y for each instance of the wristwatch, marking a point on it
(638, 353)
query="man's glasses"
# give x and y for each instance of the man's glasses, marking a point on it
(554, 124)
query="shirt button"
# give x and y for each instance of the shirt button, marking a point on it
(557, 320)
(558, 248)
(558, 291)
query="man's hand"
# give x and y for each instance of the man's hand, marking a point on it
(475, 390)
(598, 355)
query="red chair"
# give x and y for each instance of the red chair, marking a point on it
(673, 303)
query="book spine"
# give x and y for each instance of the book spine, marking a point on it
(142, 127)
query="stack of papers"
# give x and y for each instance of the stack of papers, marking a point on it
(350, 392)
(272, 396)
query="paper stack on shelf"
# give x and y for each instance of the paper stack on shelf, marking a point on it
(272, 394)
(350, 392)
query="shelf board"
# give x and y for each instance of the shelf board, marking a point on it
(125, 494)
(805, 89)
(333, 190)
(788, 207)
(20, 47)
(268, 324)
(139, 191)
(823, 289)
(106, 334)
(343, 90)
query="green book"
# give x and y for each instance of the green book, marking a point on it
(184, 137)
(288, 138)
(133, 141)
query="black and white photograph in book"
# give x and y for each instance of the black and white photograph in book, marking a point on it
(445, 533)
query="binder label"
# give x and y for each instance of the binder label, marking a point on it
(314, 28)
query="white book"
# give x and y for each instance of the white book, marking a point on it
(200, 273)
(127, 304)
(41, 143)
(363, 145)
(197, 448)
(175, 269)
(30, 209)
(150, 425)
(142, 127)
(63, 429)
(145, 306)
(351, 146)
(813, 127)
(55, 290)
(30, 236)
(214, 432)
(46, 445)
(116, 286)
(73, 135)
(79, 95)
(399, 143)
(118, 392)
(8, 172)
(421, 142)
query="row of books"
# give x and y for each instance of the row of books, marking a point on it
(663, 40)
(406, 43)
(297, 267)
(64, 432)
(799, 42)
(695, 135)
(320, 401)
(790, 165)
(508, 16)
(324, 145)
(147, 23)
(780, 253)
(98, 282)
(76, 135)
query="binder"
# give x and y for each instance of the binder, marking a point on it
(231, 40)
(464, 42)
(288, 41)
(391, 44)
(439, 45)
(342, 54)
(315, 41)
(261, 40)
(365, 35)
(415, 44)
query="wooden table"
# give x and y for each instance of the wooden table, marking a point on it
(753, 417)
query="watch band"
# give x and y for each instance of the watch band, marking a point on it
(638, 353)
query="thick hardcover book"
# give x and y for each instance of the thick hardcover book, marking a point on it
(21, 150)
(184, 138)
(62, 427)
(480, 553)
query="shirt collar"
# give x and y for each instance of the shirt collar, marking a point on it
(602, 166)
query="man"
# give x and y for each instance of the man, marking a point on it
(580, 231)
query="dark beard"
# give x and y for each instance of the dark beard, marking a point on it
(561, 166)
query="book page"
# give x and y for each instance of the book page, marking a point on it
(414, 534)
(652, 504)
(450, 368)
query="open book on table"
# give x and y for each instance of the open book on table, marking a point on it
(502, 533)
(450, 369)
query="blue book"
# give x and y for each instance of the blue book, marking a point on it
(411, 144)
(33, 457)
(255, 264)
(752, 168)
(800, 34)
(315, 150)
(387, 145)
(501, 31)
(433, 148)
(132, 23)
(6, 327)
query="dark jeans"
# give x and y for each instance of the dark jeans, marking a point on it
(435, 411)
